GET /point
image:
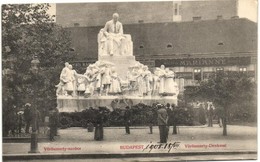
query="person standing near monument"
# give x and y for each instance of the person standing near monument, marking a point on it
(210, 116)
(99, 130)
(57, 120)
(27, 117)
(162, 123)
(127, 118)
(52, 124)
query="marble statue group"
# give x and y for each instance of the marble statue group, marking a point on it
(102, 78)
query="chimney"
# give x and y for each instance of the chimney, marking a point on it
(219, 17)
(196, 18)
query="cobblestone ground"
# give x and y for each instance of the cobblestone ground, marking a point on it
(206, 139)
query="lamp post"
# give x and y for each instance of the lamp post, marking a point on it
(34, 136)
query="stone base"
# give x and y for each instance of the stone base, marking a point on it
(121, 63)
(77, 104)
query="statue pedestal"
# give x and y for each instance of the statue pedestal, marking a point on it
(78, 104)
(115, 57)
(122, 63)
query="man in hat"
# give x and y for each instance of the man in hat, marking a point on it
(52, 123)
(57, 120)
(27, 117)
(210, 116)
(162, 123)
(99, 130)
(127, 118)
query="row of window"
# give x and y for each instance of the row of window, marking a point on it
(197, 72)
(219, 69)
(171, 46)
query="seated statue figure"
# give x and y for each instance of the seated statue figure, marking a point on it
(112, 41)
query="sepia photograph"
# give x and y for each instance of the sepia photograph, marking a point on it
(129, 81)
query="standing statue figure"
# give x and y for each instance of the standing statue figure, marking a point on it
(112, 41)
(156, 82)
(105, 79)
(162, 74)
(115, 87)
(63, 80)
(147, 77)
(169, 86)
(93, 79)
(89, 81)
(140, 80)
(71, 84)
(81, 85)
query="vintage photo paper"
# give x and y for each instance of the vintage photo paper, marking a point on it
(130, 81)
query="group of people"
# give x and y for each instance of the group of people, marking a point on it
(31, 120)
(163, 113)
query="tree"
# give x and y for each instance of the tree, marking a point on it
(28, 31)
(229, 94)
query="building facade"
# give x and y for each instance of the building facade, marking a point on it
(96, 14)
(194, 50)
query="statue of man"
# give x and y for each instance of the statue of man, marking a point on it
(63, 80)
(114, 26)
(113, 31)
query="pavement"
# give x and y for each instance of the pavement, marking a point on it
(207, 142)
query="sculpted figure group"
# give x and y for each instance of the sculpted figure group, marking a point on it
(101, 79)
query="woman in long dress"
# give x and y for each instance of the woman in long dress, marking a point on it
(146, 80)
(71, 84)
(156, 82)
(105, 79)
(169, 86)
(162, 80)
(140, 81)
(91, 79)
(115, 87)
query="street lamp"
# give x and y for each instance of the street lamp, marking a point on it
(34, 136)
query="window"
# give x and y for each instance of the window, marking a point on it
(219, 69)
(220, 43)
(242, 69)
(176, 9)
(197, 74)
(72, 49)
(169, 45)
(141, 46)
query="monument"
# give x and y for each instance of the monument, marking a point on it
(116, 78)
